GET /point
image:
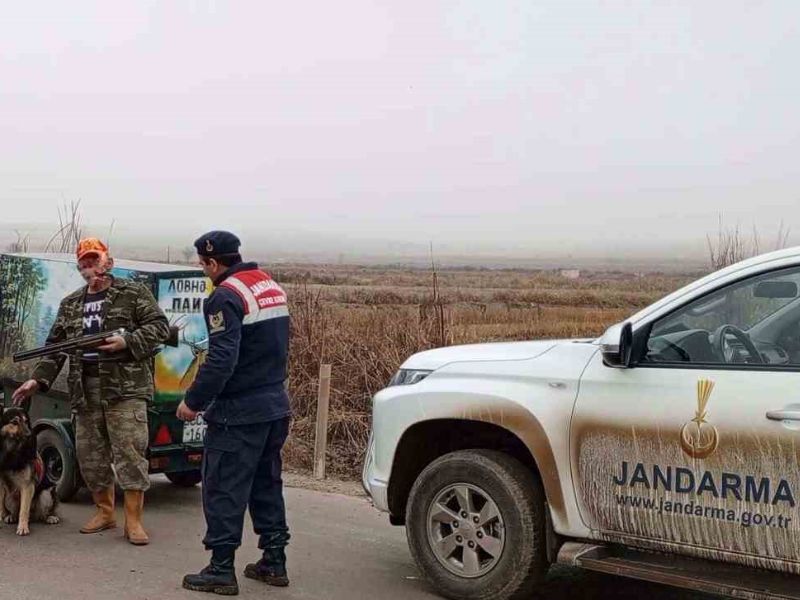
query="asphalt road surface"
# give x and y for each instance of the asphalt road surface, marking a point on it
(341, 548)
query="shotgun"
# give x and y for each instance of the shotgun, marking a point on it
(79, 343)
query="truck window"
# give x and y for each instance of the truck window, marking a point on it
(747, 322)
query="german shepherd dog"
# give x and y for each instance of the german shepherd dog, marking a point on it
(25, 494)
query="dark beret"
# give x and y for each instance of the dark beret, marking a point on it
(216, 243)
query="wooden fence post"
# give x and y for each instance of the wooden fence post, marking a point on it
(321, 439)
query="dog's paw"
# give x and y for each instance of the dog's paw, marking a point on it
(53, 520)
(23, 529)
(9, 519)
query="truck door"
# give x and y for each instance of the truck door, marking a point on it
(695, 449)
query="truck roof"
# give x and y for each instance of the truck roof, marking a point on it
(120, 263)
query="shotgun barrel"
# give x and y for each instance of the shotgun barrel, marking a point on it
(79, 343)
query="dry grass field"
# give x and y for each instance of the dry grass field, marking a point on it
(366, 321)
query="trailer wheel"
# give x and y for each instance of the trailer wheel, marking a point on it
(60, 467)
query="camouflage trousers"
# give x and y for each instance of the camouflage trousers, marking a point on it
(114, 433)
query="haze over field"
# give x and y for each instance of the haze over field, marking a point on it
(562, 132)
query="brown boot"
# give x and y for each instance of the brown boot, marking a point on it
(134, 506)
(103, 518)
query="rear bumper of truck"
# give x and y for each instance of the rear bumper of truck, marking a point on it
(175, 458)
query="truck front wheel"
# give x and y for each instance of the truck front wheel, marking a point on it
(476, 526)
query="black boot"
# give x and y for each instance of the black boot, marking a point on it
(271, 569)
(219, 577)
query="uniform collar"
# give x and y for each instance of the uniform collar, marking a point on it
(243, 266)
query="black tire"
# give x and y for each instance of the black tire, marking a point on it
(185, 478)
(60, 466)
(518, 495)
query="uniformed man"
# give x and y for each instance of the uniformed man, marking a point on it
(240, 389)
(109, 389)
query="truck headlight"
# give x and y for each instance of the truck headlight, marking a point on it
(409, 376)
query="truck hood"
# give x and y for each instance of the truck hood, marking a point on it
(503, 351)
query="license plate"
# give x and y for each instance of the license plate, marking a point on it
(194, 431)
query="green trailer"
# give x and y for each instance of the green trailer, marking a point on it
(31, 288)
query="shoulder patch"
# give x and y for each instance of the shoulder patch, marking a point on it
(216, 322)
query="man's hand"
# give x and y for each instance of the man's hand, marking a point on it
(25, 391)
(115, 343)
(184, 413)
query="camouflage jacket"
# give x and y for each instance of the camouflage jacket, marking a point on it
(127, 305)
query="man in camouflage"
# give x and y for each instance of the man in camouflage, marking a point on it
(109, 389)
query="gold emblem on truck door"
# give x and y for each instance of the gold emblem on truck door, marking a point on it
(699, 439)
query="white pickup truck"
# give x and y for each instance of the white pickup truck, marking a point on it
(667, 450)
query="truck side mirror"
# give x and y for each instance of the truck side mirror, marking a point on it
(616, 346)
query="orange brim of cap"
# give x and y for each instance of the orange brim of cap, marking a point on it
(96, 253)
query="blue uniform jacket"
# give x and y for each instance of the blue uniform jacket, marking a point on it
(242, 378)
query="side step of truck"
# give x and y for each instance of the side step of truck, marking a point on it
(693, 574)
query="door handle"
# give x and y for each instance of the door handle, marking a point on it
(784, 415)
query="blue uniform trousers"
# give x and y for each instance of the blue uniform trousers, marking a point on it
(241, 469)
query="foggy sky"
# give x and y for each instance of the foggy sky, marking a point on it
(503, 126)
